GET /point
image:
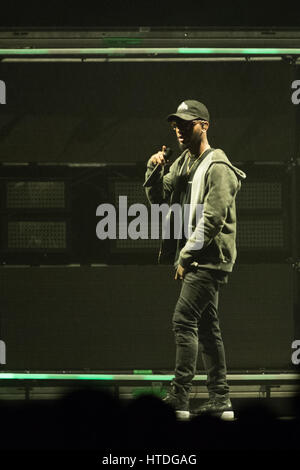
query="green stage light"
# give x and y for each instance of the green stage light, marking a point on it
(157, 50)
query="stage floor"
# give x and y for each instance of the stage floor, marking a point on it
(51, 385)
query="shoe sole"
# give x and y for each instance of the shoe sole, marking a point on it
(224, 415)
(182, 415)
(227, 415)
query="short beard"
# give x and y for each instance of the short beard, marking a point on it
(182, 146)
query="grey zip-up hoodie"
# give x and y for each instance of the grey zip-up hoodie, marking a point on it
(215, 185)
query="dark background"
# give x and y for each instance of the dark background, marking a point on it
(112, 112)
(117, 317)
(150, 13)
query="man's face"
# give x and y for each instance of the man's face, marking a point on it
(188, 134)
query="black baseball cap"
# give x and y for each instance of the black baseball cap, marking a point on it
(189, 110)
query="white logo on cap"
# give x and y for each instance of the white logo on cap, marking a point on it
(183, 107)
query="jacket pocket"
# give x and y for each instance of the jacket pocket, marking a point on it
(225, 251)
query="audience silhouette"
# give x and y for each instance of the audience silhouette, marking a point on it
(95, 420)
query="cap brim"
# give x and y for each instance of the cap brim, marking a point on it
(185, 116)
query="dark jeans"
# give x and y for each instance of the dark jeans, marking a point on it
(196, 327)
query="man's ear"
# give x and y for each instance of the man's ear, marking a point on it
(205, 125)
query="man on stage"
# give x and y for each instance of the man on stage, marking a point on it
(200, 175)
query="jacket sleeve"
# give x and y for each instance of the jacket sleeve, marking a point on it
(163, 186)
(220, 191)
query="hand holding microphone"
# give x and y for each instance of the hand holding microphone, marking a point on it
(159, 159)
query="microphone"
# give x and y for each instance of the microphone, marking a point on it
(149, 181)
